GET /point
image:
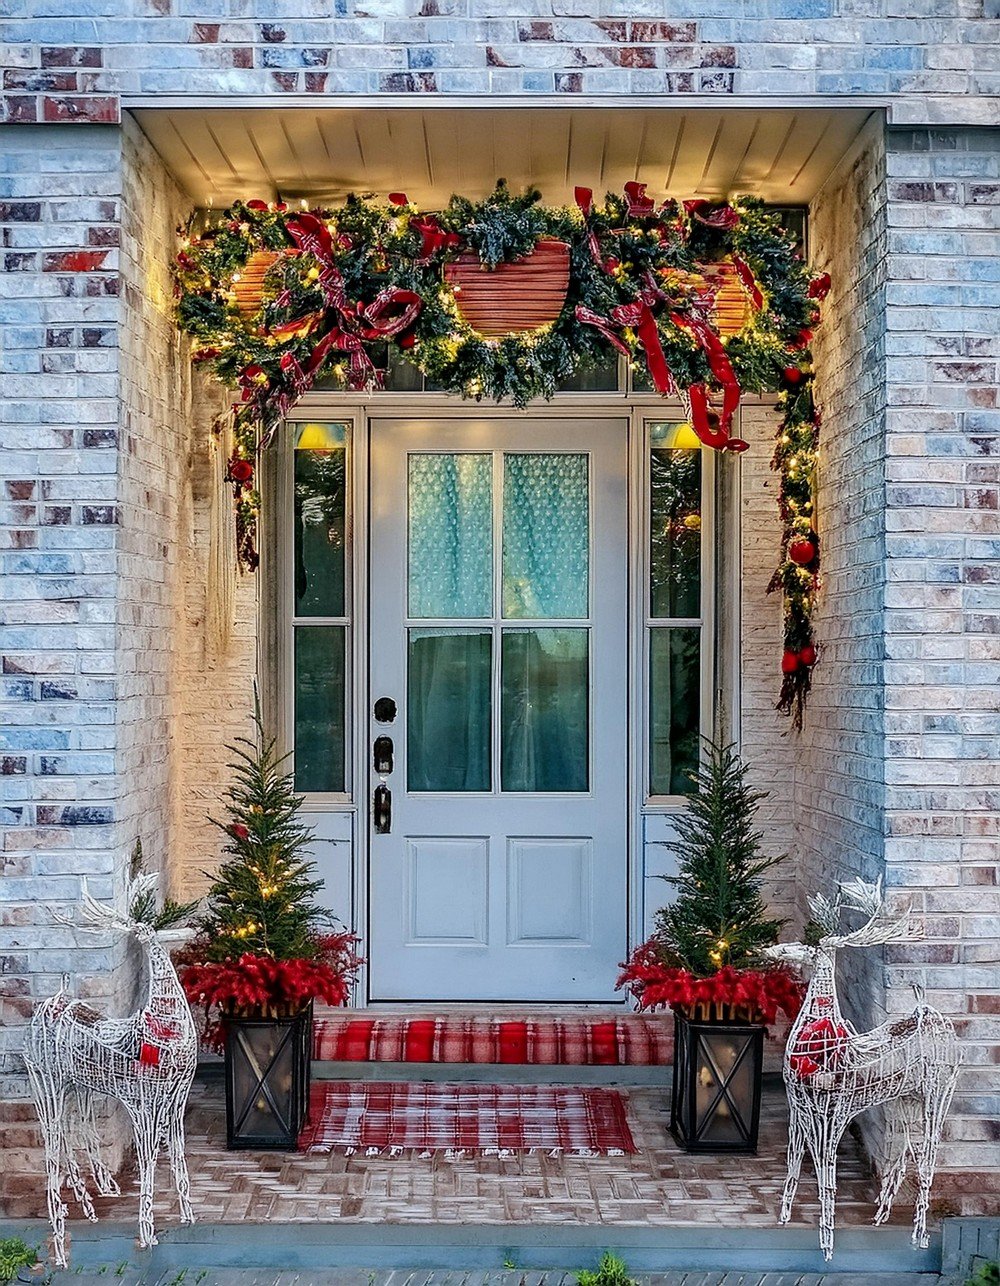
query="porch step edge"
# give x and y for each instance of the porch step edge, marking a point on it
(480, 1247)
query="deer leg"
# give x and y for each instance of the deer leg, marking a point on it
(147, 1130)
(73, 1140)
(901, 1126)
(796, 1150)
(50, 1102)
(936, 1106)
(823, 1137)
(178, 1161)
(104, 1180)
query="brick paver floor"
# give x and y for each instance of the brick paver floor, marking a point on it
(658, 1186)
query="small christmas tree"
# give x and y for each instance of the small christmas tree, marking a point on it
(719, 917)
(261, 901)
(264, 947)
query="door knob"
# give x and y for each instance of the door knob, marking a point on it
(382, 809)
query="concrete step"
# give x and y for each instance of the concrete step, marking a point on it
(449, 1277)
(315, 1247)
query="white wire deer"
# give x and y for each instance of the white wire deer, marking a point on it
(146, 1061)
(832, 1072)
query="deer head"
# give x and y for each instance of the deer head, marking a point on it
(116, 917)
(881, 925)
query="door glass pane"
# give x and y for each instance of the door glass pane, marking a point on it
(320, 491)
(319, 707)
(448, 710)
(675, 527)
(674, 681)
(450, 570)
(544, 710)
(546, 536)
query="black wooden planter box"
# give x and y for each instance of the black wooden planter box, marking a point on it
(715, 1105)
(268, 1064)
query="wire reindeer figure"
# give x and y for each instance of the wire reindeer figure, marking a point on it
(146, 1061)
(833, 1072)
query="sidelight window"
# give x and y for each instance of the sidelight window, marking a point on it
(675, 615)
(321, 607)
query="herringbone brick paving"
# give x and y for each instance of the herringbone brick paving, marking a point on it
(657, 1186)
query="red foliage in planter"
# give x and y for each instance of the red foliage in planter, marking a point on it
(754, 995)
(254, 986)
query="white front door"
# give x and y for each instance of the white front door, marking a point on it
(499, 592)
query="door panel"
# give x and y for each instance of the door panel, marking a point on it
(499, 628)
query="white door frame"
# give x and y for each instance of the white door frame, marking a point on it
(357, 411)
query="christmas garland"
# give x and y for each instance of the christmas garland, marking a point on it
(644, 280)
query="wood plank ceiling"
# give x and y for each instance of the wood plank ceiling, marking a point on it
(320, 154)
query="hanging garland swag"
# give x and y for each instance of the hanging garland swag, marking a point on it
(505, 299)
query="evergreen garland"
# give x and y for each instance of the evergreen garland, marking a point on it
(628, 255)
(719, 917)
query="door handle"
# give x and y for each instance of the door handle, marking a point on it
(382, 809)
(382, 755)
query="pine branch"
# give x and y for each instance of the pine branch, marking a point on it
(719, 916)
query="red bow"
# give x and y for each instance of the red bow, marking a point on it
(362, 374)
(640, 315)
(724, 216)
(639, 204)
(720, 366)
(381, 326)
(433, 238)
(313, 236)
(749, 282)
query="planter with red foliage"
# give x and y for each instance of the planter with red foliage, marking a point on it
(719, 1027)
(259, 1013)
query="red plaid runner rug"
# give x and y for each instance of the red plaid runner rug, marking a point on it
(372, 1118)
(622, 1040)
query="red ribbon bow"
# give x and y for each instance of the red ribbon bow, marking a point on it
(723, 216)
(433, 238)
(639, 204)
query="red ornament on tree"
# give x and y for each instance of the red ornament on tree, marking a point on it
(241, 471)
(808, 655)
(819, 287)
(792, 374)
(239, 831)
(802, 551)
(789, 662)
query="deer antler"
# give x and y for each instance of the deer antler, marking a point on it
(98, 916)
(826, 912)
(881, 925)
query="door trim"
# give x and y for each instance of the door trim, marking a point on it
(358, 412)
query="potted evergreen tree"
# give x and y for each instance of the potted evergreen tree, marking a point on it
(704, 961)
(264, 952)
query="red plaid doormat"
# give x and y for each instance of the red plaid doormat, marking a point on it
(372, 1118)
(619, 1040)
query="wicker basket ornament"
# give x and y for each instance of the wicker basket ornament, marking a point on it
(731, 309)
(249, 289)
(513, 297)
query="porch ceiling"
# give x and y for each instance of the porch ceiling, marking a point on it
(780, 154)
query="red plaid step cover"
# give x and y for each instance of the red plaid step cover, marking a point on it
(494, 1120)
(630, 1040)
